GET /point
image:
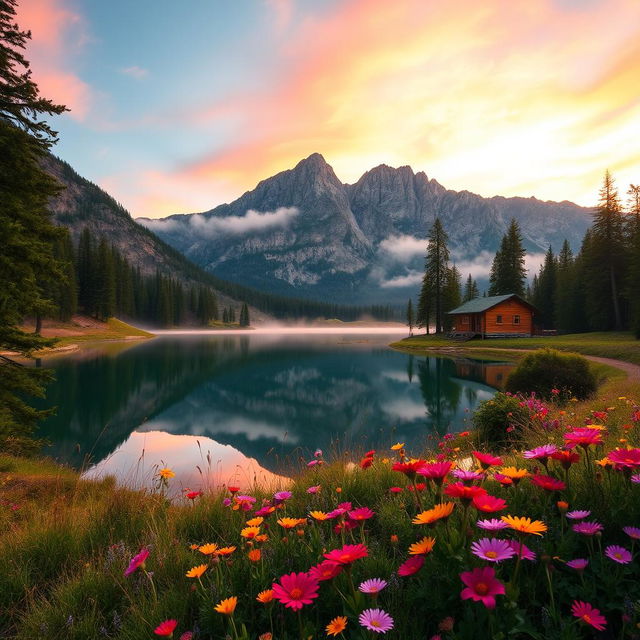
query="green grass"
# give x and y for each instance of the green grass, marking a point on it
(116, 330)
(616, 345)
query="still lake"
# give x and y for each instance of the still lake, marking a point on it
(239, 408)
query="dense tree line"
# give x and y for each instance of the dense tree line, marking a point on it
(599, 288)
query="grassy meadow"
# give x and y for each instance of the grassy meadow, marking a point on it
(402, 544)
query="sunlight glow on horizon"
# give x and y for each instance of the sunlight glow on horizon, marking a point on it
(499, 99)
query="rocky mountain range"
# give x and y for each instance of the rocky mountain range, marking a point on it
(303, 232)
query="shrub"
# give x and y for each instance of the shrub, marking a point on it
(552, 374)
(497, 420)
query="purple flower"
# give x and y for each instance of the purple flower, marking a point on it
(540, 453)
(632, 532)
(578, 514)
(635, 478)
(492, 525)
(493, 549)
(587, 528)
(374, 585)
(579, 564)
(376, 620)
(137, 562)
(618, 554)
(522, 549)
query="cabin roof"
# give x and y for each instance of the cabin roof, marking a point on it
(478, 305)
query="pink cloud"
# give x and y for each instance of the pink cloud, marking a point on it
(57, 34)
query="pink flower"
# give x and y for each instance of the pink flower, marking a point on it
(436, 471)
(492, 525)
(625, 458)
(632, 532)
(362, 513)
(374, 585)
(585, 612)
(166, 628)
(587, 528)
(618, 554)
(482, 586)
(582, 436)
(411, 565)
(326, 570)
(492, 549)
(295, 590)
(467, 476)
(348, 554)
(376, 620)
(579, 564)
(578, 514)
(541, 453)
(522, 550)
(548, 483)
(137, 562)
(281, 496)
(313, 490)
(489, 504)
(487, 460)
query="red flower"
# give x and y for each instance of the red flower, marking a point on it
(365, 463)
(548, 483)
(566, 457)
(467, 494)
(166, 628)
(411, 565)
(408, 468)
(348, 554)
(487, 460)
(192, 495)
(295, 590)
(583, 437)
(482, 586)
(489, 504)
(326, 570)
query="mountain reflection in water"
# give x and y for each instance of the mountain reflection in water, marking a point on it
(271, 398)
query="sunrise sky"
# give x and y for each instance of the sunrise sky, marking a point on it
(179, 106)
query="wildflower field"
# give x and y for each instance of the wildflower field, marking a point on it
(463, 541)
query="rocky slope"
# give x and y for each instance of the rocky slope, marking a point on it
(305, 233)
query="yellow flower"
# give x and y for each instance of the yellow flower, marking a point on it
(250, 532)
(438, 512)
(208, 549)
(604, 462)
(422, 547)
(228, 606)
(254, 555)
(319, 515)
(166, 473)
(525, 525)
(265, 596)
(513, 473)
(255, 522)
(225, 551)
(336, 626)
(196, 572)
(396, 447)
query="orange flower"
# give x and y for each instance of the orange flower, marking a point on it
(262, 537)
(265, 596)
(319, 515)
(196, 572)
(208, 549)
(290, 523)
(525, 525)
(438, 512)
(393, 538)
(396, 447)
(336, 626)
(226, 551)
(422, 547)
(254, 555)
(255, 522)
(250, 532)
(194, 547)
(227, 607)
(515, 474)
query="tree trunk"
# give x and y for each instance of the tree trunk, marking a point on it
(616, 304)
(38, 328)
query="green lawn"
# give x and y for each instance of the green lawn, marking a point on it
(617, 345)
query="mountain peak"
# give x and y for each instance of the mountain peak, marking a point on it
(315, 160)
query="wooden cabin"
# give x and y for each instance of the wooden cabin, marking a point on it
(494, 317)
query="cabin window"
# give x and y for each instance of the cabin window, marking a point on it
(516, 319)
(465, 319)
(498, 319)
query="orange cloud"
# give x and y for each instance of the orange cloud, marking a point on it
(57, 33)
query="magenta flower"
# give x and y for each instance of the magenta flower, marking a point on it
(588, 614)
(579, 564)
(376, 620)
(482, 586)
(522, 550)
(632, 532)
(635, 478)
(587, 528)
(436, 471)
(295, 590)
(579, 514)
(548, 483)
(618, 554)
(582, 436)
(540, 453)
(625, 458)
(348, 554)
(411, 565)
(362, 513)
(281, 496)
(492, 525)
(492, 549)
(326, 570)
(313, 490)
(467, 476)
(137, 562)
(374, 585)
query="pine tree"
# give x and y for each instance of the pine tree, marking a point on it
(544, 291)
(434, 279)
(452, 296)
(244, 315)
(566, 300)
(470, 290)
(632, 285)
(410, 318)
(27, 262)
(508, 272)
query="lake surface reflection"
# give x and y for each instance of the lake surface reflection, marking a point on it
(240, 408)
